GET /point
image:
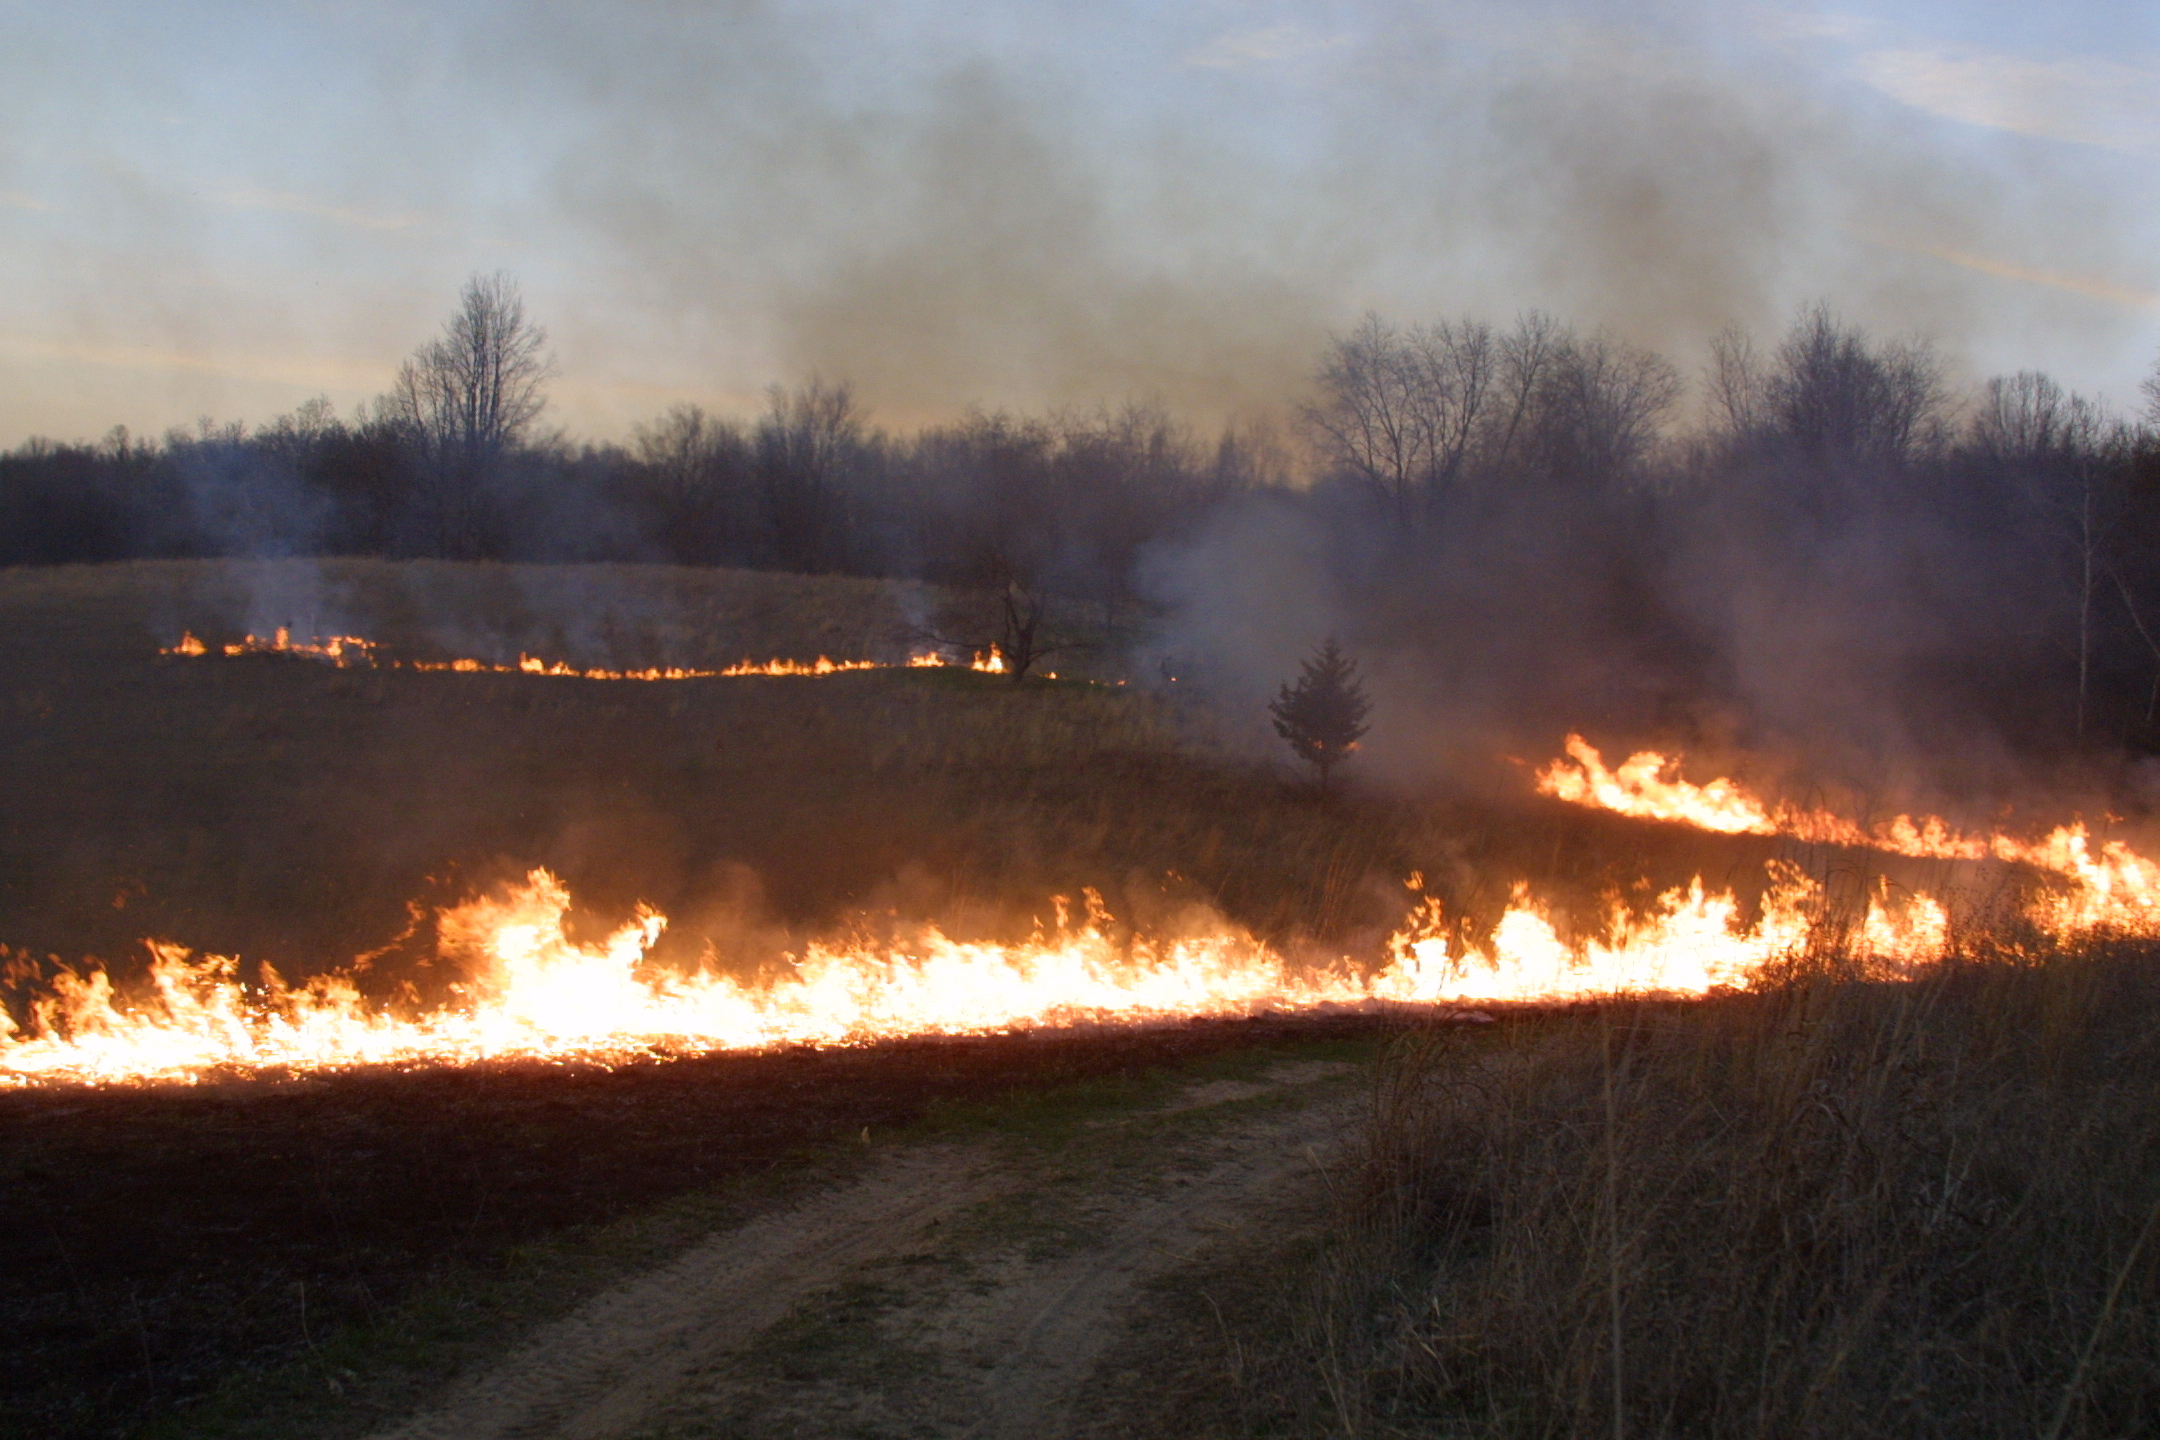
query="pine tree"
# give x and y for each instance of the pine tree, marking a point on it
(1323, 715)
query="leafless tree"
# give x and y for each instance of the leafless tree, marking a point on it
(1828, 394)
(1601, 404)
(1366, 421)
(2050, 442)
(1835, 396)
(1457, 363)
(466, 398)
(1736, 386)
(1406, 409)
(1527, 354)
(2029, 420)
(696, 468)
(807, 443)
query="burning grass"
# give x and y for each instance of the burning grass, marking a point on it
(1828, 1206)
(354, 652)
(914, 822)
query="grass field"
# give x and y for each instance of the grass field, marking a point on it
(1837, 1208)
(289, 812)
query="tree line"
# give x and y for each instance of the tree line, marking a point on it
(1523, 502)
(1841, 544)
(452, 463)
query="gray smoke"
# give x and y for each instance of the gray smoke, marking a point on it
(1033, 205)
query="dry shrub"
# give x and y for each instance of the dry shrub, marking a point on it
(1835, 1209)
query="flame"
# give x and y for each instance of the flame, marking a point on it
(351, 651)
(1689, 943)
(338, 650)
(534, 992)
(1640, 788)
(2108, 887)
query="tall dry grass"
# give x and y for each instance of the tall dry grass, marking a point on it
(1839, 1209)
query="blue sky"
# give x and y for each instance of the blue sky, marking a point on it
(222, 209)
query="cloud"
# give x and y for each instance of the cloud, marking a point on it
(313, 372)
(1261, 47)
(287, 203)
(2092, 287)
(1812, 25)
(16, 200)
(2085, 102)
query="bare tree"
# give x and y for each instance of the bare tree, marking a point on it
(2051, 442)
(697, 467)
(1526, 359)
(466, 398)
(1736, 385)
(1835, 396)
(807, 443)
(1404, 409)
(1457, 363)
(2024, 418)
(1366, 419)
(1601, 404)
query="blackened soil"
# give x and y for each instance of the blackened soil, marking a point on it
(158, 1239)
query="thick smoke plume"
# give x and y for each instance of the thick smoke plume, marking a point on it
(1047, 206)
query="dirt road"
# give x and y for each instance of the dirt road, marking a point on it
(955, 1287)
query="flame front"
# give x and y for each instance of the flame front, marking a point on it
(1640, 788)
(353, 652)
(2107, 886)
(535, 992)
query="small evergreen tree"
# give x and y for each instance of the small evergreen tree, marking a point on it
(1322, 716)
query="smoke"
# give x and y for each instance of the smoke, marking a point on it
(1038, 206)
(1002, 223)
(1842, 577)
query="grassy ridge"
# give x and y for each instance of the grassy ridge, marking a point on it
(288, 812)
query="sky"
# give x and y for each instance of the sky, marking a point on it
(223, 209)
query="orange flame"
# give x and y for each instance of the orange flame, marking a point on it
(339, 650)
(2110, 887)
(1690, 943)
(350, 651)
(535, 992)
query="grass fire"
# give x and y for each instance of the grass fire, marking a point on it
(1186, 722)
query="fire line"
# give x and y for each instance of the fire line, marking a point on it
(347, 652)
(533, 992)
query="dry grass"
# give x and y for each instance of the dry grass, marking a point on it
(588, 614)
(289, 812)
(1836, 1209)
(1840, 1209)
